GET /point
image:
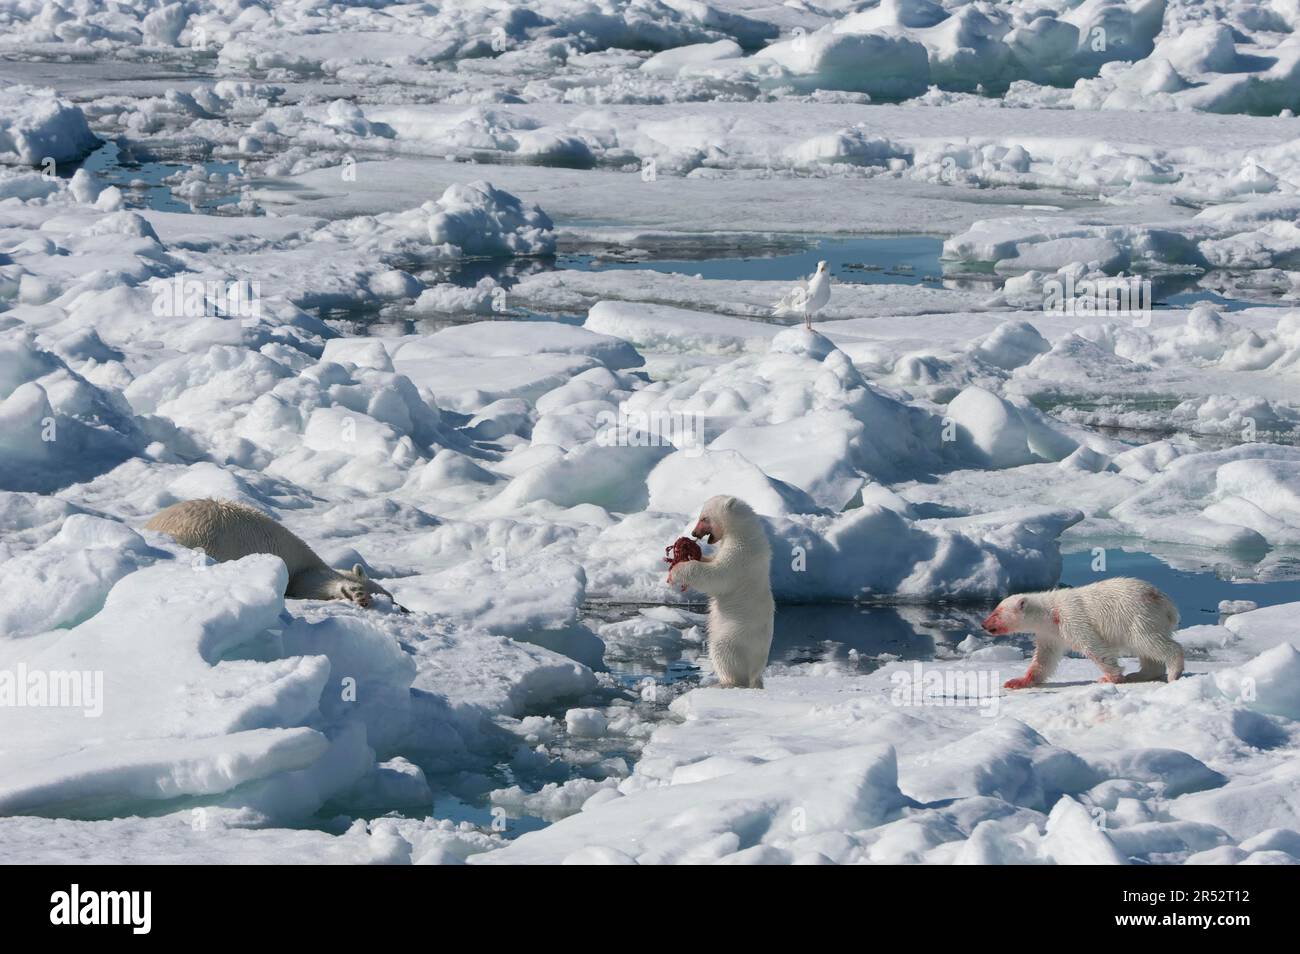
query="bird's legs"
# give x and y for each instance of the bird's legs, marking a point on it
(807, 319)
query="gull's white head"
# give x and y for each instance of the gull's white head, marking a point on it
(821, 267)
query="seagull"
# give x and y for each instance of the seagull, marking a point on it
(806, 298)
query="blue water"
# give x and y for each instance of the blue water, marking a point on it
(860, 260)
(1189, 299)
(864, 260)
(480, 814)
(871, 260)
(141, 180)
(878, 260)
(1195, 593)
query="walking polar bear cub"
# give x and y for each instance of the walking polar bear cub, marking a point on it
(1103, 620)
(229, 531)
(737, 580)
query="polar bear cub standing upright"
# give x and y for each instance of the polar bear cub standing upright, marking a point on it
(1103, 620)
(737, 580)
(225, 530)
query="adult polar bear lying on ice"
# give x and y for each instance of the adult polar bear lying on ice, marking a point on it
(737, 580)
(229, 531)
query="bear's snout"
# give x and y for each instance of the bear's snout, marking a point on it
(704, 529)
(993, 625)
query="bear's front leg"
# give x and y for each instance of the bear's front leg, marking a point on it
(1031, 678)
(695, 574)
(1046, 655)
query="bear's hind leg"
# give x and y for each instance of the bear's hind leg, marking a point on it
(1174, 661)
(1161, 657)
(1151, 670)
(1109, 666)
(1171, 659)
(1084, 637)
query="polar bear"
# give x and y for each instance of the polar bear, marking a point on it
(737, 581)
(1103, 621)
(228, 531)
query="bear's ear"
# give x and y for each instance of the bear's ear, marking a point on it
(359, 572)
(729, 503)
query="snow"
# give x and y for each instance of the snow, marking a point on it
(533, 604)
(265, 705)
(68, 576)
(847, 789)
(209, 838)
(505, 339)
(37, 127)
(57, 426)
(658, 328)
(829, 60)
(843, 768)
(1232, 493)
(479, 220)
(239, 723)
(585, 723)
(505, 319)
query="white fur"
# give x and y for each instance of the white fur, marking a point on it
(737, 579)
(229, 531)
(1104, 621)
